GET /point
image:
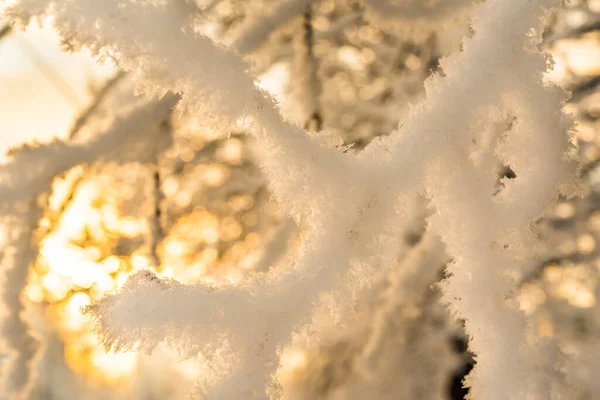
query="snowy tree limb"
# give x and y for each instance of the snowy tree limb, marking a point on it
(352, 204)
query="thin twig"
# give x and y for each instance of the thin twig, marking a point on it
(156, 230)
(314, 87)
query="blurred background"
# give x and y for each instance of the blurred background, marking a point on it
(194, 206)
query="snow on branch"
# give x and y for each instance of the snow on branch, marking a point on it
(356, 206)
(213, 81)
(19, 251)
(29, 173)
(401, 319)
(31, 168)
(499, 69)
(252, 319)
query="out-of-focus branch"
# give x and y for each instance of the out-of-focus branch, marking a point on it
(18, 253)
(156, 230)
(311, 64)
(417, 9)
(258, 30)
(55, 217)
(100, 96)
(572, 34)
(51, 74)
(211, 5)
(5, 31)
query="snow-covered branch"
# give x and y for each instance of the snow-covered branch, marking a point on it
(355, 206)
(19, 252)
(214, 82)
(29, 173)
